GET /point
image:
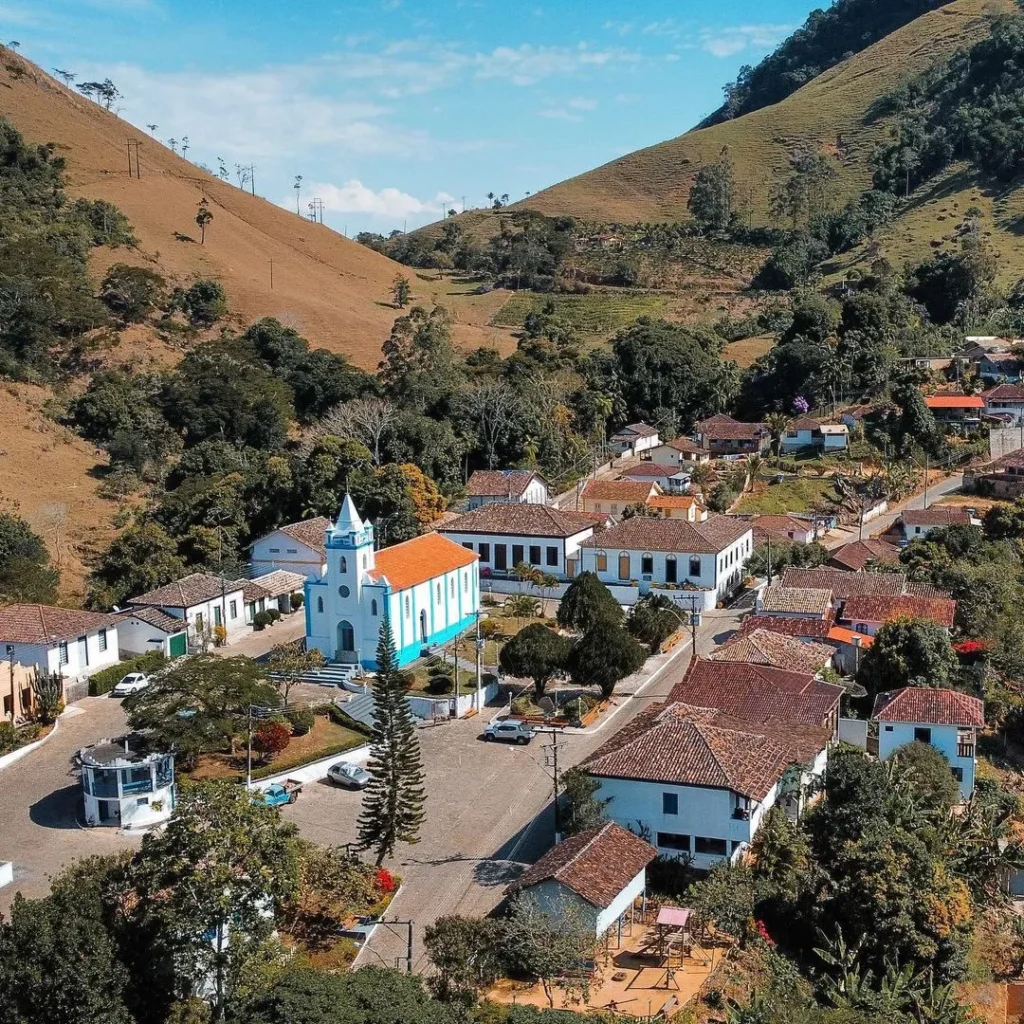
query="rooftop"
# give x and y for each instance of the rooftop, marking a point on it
(123, 751)
(804, 600)
(937, 515)
(618, 490)
(722, 427)
(418, 560)
(635, 430)
(596, 864)
(859, 553)
(157, 619)
(846, 584)
(764, 647)
(48, 624)
(789, 625)
(281, 582)
(652, 471)
(499, 483)
(189, 591)
(1004, 393)
(309, 532)
(907, 606)
(523, 520)
(685, 445)
(674, 501)
(929, 706)
(954, 402)
(676, 535)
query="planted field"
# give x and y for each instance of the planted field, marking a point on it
(599, 313)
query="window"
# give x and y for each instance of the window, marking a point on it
(922, 735)
(103, 639)
(534, 554)
(373, 607)
(438, 591)
(233, 609)
(958, 774)
(485, 552)
(674, 841)
(647, 565)
(602, 561)
(408, 607)
(669, 803)
(694, 567)
(552, 555)
(670, 569)
(217, 615)
(320, 605)
(468, 544)
(615, 508)
(62, 653)
(274, 551)
(705, 844)
(888, 728)
(465, 582)
(343, 591)
(517, 553)
(343, 564)
(365, 563)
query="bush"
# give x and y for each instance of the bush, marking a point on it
(522, 704)
(296, 601)
(104, 681)
(130, 293)
(440, 683)
(274, 614)
(301, 720)
(270, 738)
(8, 737)
(204, 303)
(260, 621)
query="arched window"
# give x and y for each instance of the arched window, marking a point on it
(647, 563)
(343, 564)
(451, 587)
(671, 574)
(320, 605)
(407, 606)
(439, 593)
(601, 560)
(373, 607)
(423, 625)
(465, 583)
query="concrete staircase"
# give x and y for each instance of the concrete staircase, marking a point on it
(329, 675)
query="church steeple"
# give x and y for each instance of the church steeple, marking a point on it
(348, 520)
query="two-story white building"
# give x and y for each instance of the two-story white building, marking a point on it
(806, 432)
(945, 719)
(294, 547)
(504, 536)
(706, 556)
(429, 587)
(72, 642)
(634, 439)
(506, 487)
(202, 601)
(682, 453)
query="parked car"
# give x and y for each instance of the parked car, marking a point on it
(132, 683)
(509, 731)
(279, 794)
(347, 774)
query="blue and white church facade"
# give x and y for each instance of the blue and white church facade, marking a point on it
(429, 586)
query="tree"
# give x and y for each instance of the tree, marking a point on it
(583, 808)
(588, 605)
(142, 557)
(270, 738)
(47, 695)
(201, 704)
(131, 293)
(392, 810)
(467, 953)
(361, 419)
(288, 663)
(105, 92)
(25, 573)
(401, 291)
(652, 620)
(535, 652)
(212, 881)
(711, 195)
(604, 657)
(204, 302)
(907, 652)
(928, 772)
(522, 606)
(203, 217)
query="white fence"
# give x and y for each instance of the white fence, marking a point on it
(626, 595)
(315, 770)
(854, 731)
(430, 708)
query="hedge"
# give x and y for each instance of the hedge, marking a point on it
(104, 681)
(284, 764)
(338, 717)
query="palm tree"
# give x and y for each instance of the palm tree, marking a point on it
(700, 476)
(522, 606)
(777, 423)
(754, 464)
(546, 584)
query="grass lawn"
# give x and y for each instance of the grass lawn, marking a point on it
(323, 739)
(597, 313)
(795, 494)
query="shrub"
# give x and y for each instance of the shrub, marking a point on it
(130, 293)
(270, 738)
(260, 621)
(296, 601)
(301, 721)
(522, 704)
(204, 303)
(440, 684)
(274, 614)
(104, 681)
(8, 737)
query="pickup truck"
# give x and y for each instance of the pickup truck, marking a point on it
(279, 794)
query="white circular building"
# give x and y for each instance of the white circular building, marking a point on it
(125, 788)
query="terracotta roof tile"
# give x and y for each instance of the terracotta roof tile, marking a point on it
(495, 483)
(48, 624)
(635, 430)
(722, 427)
(643, 534)
(523, 520)
(651, 471)
(157, 619)
(686, 445)
(420, 559)
(309, 532)
(627, 491)
(674, 501)
(188, 591)
(907, 606)
(1004, 393)
(954, 402)
(937, 515)
(805, 600)
(929, 706)
(846, 584)
(842, 635)
(859, 553)
(763, 647)
(596, 865)
(281, 582)
(789, 625)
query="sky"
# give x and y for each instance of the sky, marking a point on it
(395, 110)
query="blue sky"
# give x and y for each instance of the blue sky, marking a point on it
(393, 110)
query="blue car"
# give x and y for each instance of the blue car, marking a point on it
(277, 795)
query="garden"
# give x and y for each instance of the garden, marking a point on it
(43, 697)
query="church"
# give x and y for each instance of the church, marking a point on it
(429, 586)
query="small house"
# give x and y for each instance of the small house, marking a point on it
(774, 650)
(125, 788)
(950, 408)
(1005, 399)
(202, 601)
(611, 497)
(70, 641)
(859, 554)
(141, 630)
(798, 602)
(506, 487)
(806, 433)
(678, 506)
(634, 439)
(295, 547)
(671, 479)
(917, 523)
(866, 614)
(682, 452)
(722, 435)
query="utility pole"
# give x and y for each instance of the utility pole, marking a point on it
(9, 649)
(769, 539)
(134, 143)
(479, 667)
(248, 753)
(271, 275)
(925, 479)
(553, 749)
(252, 178)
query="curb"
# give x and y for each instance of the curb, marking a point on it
(16, 755)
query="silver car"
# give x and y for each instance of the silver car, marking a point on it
(509, 731)
(349, 775)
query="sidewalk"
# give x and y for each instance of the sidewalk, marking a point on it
(255, 645)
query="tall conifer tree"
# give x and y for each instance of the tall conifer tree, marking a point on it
(393, 802)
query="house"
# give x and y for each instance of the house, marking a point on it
(933, 364)
(506, 487)
(865, 614)
(951, 408)
(845, 584)
(785, 528)
(1003, 478)
(678, 506)
(705, 556)
(125, 788)
(503, 536)
(141, 630)
(798, 602)
(600, 873)
(17, 697)
(295, 547)
(428, 587)
(72, 642)
(634, 439)
(1005, 399)
(993, 358)
(807, 432)
(774, 650)
(671, 479)
(202, 601)
(849, 645)
(917, 523)
(699, 781)
(945, 719)
(801, 628)
(854, 417)
(272, 590)
(722, 435)
(859, 554)
(612, 496)
(682, 452)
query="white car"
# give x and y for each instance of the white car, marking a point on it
(132, 683)
(509, 731)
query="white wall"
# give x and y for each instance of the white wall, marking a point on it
(564, 547)
(79, 662)
(134, 636)
(892, 735)
(232, 623)
(279, 551)
(536, 493)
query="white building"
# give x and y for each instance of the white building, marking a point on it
(72, 642)
(548, 539)
(806, 432)
(124, 788)
(429, 587)
(1005, 400)
(945, 719)
(705, 556)
(506, 487)
(596, 876)
(204, 602)
(917, 523)
(682, 453)
(671, 479)
(612, 497)
(634, 439)
(142, 630)
(295, 547)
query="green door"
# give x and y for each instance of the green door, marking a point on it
(177, 645)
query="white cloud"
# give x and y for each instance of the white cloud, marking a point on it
(390, 203)
(726, 42)
(582, 103)
(558, 114)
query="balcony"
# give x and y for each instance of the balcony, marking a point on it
(965, 750)
(741, 814)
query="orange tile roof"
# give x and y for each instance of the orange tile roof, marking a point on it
(672, 501)
(954, 402)
(418, 560)
(845, 636)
